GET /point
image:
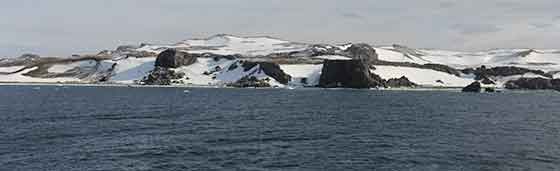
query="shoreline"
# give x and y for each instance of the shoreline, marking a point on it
(421, 88)
(416, 89)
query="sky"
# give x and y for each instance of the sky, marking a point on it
(65, 27)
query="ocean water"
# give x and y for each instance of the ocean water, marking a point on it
(120, 128)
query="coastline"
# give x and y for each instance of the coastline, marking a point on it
(420, 88)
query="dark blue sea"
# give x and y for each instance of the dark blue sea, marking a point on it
(122, 128)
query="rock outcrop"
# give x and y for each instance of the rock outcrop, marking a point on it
(489, 90)
(502, 71)
(534, 84)
(361, 51)
(161, 76)
(217, 57)
(348, 74)
(485, 80)
(271, 69)
(400, 82)
(473, 87)
(250, 82)
(435, 67)
(441, 68)
(172, 58)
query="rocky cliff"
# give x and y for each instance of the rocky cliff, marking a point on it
(534, 84)
(172, 58)
(348, 74)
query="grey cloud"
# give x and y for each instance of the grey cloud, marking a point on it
(542, 25)
(473, 29)
(352, 15)
(63, 27)
(447, 4)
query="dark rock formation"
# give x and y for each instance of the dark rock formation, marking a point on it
(140, 54)
(303, 81)
(217, 57)
(502, 71)
(361, 51)
(172, 58)
(474, 87)
(489, 90)
(435, 67)
(319, 50)
(486, 80)
(533, 84)
(400, 82)
(215, 70)
(555, 84)
(251, 81)
(355, 51)
(161, 76)
(441, 68)
(271, 69)
(348, 74)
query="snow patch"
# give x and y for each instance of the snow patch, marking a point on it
(333, 57)
(130, 70)
(310, 72)
(425, 77)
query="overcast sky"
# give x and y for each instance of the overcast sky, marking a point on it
(64, 27)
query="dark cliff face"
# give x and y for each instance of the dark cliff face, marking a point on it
(501, 71)
(348, 74)
(353, 73)
(474, 87)
(271, 69)
(172, 58)
(250, 82)
(534, 84)
(400, 82)
(161, 76)
(435, 67)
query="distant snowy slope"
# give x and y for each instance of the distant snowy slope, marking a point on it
(546, 60)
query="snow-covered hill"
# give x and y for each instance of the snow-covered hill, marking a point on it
(218, 54)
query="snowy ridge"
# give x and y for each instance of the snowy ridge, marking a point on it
(224, 44)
